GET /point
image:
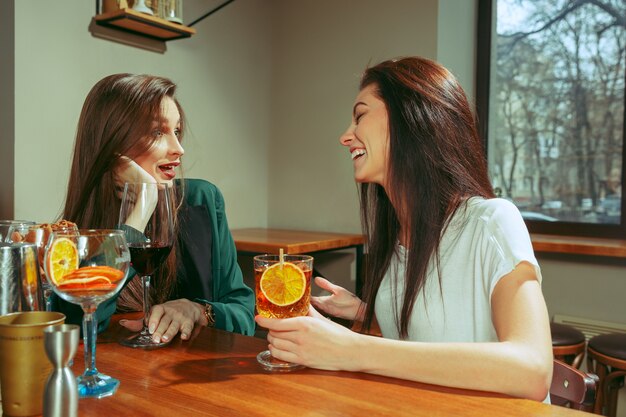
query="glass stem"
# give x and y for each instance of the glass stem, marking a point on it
(90, 330)
(145, 282)
(47, 299)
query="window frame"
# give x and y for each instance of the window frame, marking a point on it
(483, 73)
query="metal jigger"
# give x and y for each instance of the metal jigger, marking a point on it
(60, 398)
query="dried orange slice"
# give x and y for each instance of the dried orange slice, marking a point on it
(284, 284)
(62, 259)
(101, 272)
(85, 282)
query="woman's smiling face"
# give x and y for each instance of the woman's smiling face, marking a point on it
(367, 138)
(163, 157)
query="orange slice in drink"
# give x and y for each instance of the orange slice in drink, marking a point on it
(85, 282)
(91, 277)
(62, 259)
(101, 272)
(284, 284)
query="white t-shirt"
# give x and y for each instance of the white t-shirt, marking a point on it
(481, 245)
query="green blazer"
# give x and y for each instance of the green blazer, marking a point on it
(207, 270)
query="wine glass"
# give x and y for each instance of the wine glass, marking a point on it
(283, 289)
(86, 267)
(147, 220)
(39, 234)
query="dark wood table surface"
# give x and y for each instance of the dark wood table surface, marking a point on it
(216, 374)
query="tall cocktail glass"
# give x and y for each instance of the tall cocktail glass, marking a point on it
(283, 290)
(86, 267)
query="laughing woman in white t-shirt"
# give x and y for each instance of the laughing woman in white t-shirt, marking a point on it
(451, 279)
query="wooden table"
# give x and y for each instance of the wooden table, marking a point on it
(216, 374)
(261, 240)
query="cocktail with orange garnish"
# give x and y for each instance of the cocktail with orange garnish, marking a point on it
(86, 267)
(283, 290)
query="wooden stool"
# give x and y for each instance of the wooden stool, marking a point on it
(606, 356)
(568, 344)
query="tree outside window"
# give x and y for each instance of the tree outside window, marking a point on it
(550, 103)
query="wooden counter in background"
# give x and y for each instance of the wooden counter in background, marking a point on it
(614, 248)
(265, 240)
(259, 240)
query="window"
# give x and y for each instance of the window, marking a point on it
(550, 104)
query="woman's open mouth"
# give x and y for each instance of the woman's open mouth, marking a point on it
(357, 153)
(168, 170)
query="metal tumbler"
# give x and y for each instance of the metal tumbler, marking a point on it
(19, 278)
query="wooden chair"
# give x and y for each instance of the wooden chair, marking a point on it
(606, 356)
(572, 387)
(568, 344)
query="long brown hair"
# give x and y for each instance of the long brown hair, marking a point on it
(436, 161)
(116, 119)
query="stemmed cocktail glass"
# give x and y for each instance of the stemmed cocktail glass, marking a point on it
(86, 267)
(283, 289)
(146, 216)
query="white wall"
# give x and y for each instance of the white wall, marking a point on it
(320, 49)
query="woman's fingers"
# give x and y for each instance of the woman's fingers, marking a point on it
(172, 317)
(166, 329)
(129, 171)
(133, 325)
(283, 355)
(278, 324)
(314, 313)
(156, 313)
(185, 329)
(325, 284)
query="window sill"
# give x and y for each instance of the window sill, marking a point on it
(613, 248)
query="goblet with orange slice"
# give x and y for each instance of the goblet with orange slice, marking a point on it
(283, 290)
(86, 267)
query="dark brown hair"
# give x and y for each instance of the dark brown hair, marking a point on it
(116, 120)
(436, 161)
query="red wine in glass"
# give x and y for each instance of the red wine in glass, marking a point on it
(146, 257)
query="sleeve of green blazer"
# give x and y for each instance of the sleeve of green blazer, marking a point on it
(232, 300)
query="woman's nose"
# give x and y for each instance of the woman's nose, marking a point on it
(175, 147)
(347, 137)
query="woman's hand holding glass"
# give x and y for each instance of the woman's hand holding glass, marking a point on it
(312, 341)
(169, 318)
